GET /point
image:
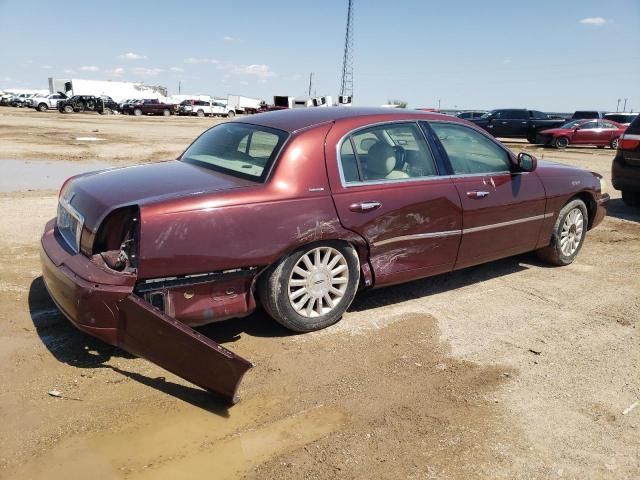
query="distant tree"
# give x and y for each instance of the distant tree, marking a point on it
(399, 103)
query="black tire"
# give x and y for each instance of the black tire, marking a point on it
(274, 287)
(166, 112)
(42, 107)
(531, 139)
(631, 199)
(553, 253)
(68, 109)
(560, 142)
(137, 112)
(231, 114)
(614, 143)
(200, 113)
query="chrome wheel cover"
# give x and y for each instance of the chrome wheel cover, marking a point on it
(318, 282)
(572, 231)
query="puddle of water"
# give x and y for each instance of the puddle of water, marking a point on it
(17, 175)
(190, 443)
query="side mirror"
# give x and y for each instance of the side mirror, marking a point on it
(526, 162)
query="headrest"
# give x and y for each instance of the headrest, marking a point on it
(381, 159)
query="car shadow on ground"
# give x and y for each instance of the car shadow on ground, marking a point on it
(73, 347)
(618, 209)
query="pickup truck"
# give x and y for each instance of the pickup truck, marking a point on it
(47, 102)
(151, 106)
(203, 108)
(516, 123)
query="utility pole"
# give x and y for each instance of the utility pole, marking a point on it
(624, 109)
(346, 83)
(618, 105)
(179, 86)
(310, 80)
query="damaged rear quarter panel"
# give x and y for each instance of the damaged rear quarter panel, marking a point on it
(247, 227)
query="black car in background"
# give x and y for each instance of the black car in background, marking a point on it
(88, 103)
(516, 123)
(587, 115)
(625, 170)
(623, 118)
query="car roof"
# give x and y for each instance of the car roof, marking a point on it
(294, 119)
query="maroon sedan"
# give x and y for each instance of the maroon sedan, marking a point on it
(597, 132)
(297, 210)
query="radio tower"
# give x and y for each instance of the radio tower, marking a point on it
(346, 86)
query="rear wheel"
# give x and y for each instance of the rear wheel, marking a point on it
(231, 114)
(560, 142)
(166, 112)
(200, 113)
(311, 288)
(42, 107)
(531, 139)
(137, 112)
(631, 199)
(614, 143)
(568, 234)
(68, 109)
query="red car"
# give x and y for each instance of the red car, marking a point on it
(595, 132)
(297, 210)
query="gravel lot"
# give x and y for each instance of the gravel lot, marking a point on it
(510, 370)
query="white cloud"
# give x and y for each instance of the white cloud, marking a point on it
(90, 68)
(46, 67)
(132, 56)
(199, 60)
(177, 69)
(593, 21)
(69, 70)
(261, 71)
(228, 38)
(147, 72)
(116, 72)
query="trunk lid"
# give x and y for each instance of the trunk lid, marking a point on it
(96, 194)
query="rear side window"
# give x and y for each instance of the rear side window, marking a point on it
(387, 152)
(514, 114)
(469, 151)
(588, 125)
(237, 149)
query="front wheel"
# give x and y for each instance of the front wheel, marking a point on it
(231, 114)
(311, 288)
(166, 112)
(68, 109)
(560, 142)
(42, 107)
(200, 113)
(531, 139)
(568, 234)
(137, 112)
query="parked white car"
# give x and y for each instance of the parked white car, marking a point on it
(47, 102)
(203, 108)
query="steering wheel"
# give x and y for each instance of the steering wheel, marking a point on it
(401, 157)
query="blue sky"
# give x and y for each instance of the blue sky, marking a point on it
(556, 55)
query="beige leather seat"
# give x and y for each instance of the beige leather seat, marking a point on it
(381, 161)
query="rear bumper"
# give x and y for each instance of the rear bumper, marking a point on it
(100, 302)
(624, 176)
(85, 293)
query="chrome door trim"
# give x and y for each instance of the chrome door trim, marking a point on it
(450, 233)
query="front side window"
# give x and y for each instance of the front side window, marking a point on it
(388, 152)
(607, 125)
(469, 151)
(237, 149)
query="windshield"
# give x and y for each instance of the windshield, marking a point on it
(573, 124)
(485, 115)
(237, 149)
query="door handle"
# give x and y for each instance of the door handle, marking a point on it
(364, 206)
(504, 123)
(524, 123)
(477, 194)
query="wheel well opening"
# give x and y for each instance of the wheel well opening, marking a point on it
(591, 206)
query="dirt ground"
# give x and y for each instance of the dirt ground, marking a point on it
(510, 370)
